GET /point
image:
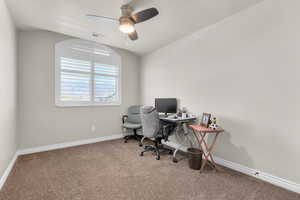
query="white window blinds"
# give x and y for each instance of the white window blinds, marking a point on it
(84, 76)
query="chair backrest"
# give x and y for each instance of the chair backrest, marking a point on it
(150, 121)
(134, 115)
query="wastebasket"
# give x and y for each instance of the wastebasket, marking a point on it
(195, 158)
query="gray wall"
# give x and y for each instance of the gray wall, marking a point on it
(8, 102)
(245, 70)
(41, 122)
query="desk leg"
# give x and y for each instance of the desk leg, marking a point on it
(182, 126)
(142, 141)
(174, 155)
(177, 129)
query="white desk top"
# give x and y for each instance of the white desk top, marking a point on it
(177, 119)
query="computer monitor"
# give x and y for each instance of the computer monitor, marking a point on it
(166, 105)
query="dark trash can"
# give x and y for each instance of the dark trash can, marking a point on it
(195, 158)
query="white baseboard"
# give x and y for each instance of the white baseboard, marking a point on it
(280, 182)
(289, 185)
(8, 170)
(68, 144)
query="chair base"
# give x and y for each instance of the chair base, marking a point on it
(157, 149)
(135, 136)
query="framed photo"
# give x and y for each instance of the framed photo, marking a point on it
(205, 119)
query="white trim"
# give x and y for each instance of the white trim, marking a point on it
(280, 182)
(68, 144)
(289, 185)
(8, 170)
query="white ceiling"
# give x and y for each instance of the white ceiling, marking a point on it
(177, 18)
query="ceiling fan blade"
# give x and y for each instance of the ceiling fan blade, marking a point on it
(133, 36)
(144, 15)
(102, 18)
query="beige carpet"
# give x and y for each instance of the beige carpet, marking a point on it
(114, 170)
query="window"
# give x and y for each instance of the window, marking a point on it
(86, 74)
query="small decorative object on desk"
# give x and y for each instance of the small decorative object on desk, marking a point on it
(205, 120)
(179, 112)
(213, 123)
(184, 113)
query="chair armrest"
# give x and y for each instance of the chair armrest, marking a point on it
(124, 118)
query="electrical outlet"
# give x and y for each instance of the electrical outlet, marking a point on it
(93, 128)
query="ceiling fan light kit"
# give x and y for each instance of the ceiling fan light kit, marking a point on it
(126, 25)
(128, 20)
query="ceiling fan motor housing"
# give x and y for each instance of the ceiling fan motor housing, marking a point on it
(126, 20)
(126, 23)
(126, 11)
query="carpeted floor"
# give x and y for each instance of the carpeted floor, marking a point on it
(114, 170)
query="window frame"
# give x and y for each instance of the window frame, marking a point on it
(114, 59)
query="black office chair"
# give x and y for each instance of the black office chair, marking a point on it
(154, 130)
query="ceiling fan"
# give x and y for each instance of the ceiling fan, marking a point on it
(128, 20)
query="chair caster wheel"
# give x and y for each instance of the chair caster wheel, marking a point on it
(141, 154)
(175, 160)
(157, 157)
(140, 145)
(125, 141)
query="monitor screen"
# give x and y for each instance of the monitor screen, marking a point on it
(166, 105)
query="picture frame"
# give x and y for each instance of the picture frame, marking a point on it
(205, 119)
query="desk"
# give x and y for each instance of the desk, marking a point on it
(203, 133)
(181, 125)
(177, 119)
